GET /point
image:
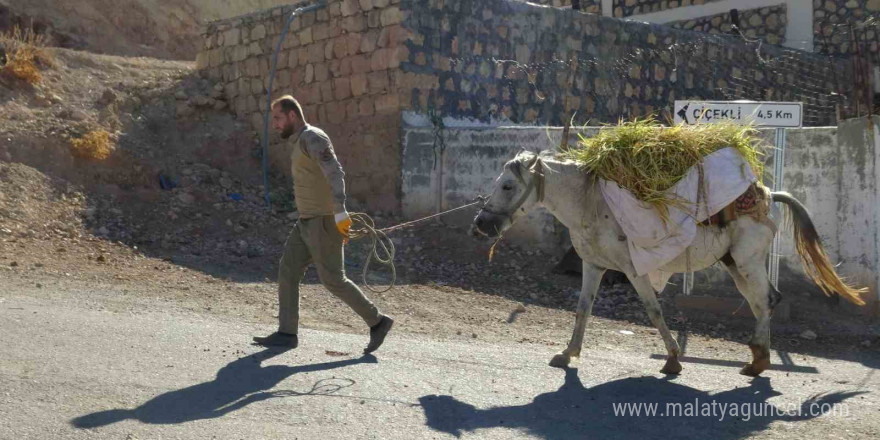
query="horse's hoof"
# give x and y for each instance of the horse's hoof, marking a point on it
(672, 366)
(755, 368)
(560, 361)
(750, 371)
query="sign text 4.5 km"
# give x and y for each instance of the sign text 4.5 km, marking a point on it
(761, 114)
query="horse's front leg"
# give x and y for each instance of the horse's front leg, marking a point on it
(592, 276)
(655, 313)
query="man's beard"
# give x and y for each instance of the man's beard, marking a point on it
(287, 132)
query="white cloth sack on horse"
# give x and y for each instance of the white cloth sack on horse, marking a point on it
(653, 243)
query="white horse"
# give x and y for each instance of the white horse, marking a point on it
(574, 197)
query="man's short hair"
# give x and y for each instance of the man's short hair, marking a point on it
(289, 104)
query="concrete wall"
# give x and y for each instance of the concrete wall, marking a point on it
(834, 172)
(831, 170)
(858, 208)
(439, 177)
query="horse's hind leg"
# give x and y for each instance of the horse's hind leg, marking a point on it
(749, 271)
(655, 313)
(592, 277)
(751, 280)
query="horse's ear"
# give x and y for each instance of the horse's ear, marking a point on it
(515, 167)
(520, 163)
(530, 165)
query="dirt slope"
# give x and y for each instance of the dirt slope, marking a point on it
(166, 29)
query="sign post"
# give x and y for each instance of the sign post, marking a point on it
(779, 115)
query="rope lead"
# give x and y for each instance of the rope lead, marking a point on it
(363, 226)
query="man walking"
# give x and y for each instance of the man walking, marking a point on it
(318, 237)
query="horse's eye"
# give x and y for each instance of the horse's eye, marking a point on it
(507, 187)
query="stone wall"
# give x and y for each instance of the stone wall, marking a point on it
(830, 19)
(626, 8)
(342, 64)
(767, 24)
(356, 64)
(589, 6)
(496, 60)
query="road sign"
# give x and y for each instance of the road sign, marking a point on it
(760, 113)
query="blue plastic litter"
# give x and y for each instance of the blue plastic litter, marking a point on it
(166, 183)
(236, 196)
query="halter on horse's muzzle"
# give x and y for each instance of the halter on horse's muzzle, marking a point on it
(536, 169)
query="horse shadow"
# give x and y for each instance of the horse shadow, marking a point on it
(238, 384)
(598, 412)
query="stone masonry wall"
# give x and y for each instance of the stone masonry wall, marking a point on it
(342, 64)
(767, 24)
(831, 19)
(356, 64)
(626, 8)
(496, 60)
(589, 6)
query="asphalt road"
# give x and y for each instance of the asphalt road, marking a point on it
(70, 370)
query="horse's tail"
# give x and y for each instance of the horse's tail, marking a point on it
(815, 260)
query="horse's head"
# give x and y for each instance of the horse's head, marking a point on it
(519, 188)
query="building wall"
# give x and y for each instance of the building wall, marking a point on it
(627, 8)
(830, 25)
(822, 26)
(768, 24)
(589, 6)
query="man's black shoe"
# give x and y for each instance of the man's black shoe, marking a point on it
(377, 334)
(277, 339)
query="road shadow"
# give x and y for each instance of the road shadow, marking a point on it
(574, 410)
(238, 384)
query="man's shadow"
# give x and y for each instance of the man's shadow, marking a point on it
(574, 410)
(238, 384)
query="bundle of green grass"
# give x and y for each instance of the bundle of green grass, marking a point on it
(648, 158)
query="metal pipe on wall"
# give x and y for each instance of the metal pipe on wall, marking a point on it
(299, 11)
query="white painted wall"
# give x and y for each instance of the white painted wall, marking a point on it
(468, 167)
(608, 8)
(858, 211)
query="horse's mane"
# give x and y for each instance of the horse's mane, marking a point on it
(545, 155)
(549, 157)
